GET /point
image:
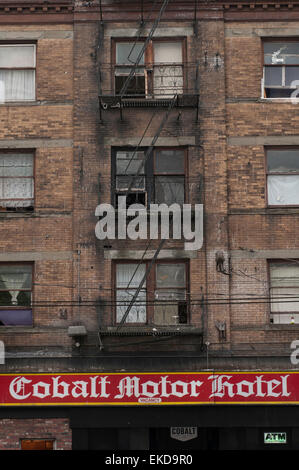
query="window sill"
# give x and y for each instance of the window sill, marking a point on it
(280, 100)
(282, 326)
(18, 103)
(8, 214)
(151, 330)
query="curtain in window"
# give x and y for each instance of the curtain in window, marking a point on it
(128, 278)
(168, 73)
(17, 85)
(283, 189)
(14, 280)
(285, 291)
(16, 180)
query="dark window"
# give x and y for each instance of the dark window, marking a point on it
(155, 178)
(15, 294)
(159, 73)
(281, 68)
(283, 176)
(16, 181)
(162, 300)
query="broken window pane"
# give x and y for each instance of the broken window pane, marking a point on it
(170, 307)
(281, 52)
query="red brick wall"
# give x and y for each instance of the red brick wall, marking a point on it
(13, 430)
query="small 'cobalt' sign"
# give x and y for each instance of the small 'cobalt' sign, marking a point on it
(183, 433)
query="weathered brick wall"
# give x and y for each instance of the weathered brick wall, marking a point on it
(13, 430)
(257, 233)
(43, 237)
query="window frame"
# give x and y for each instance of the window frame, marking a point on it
(149, 63)
(10, 210)
(149, 173)
(151, 287)
(20, 307)
(283, 87)
(289, 312)
(20, 43)
(268, 173)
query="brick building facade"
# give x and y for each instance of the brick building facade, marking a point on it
(211, 114)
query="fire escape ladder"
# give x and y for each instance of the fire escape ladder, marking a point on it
(171, 104)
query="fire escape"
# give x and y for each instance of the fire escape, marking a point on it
(141, 83)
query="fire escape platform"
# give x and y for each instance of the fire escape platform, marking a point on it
(151, 330)
(115, 102)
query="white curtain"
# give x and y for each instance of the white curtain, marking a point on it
(128, 278)
(16, 180)
(14, 282)
(168, 71)
(283, 190)
(284, 288)
(17, 85)
(169, 190)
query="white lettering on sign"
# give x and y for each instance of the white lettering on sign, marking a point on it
(19, 388)
(131, 387)
(183, 433)
(221, 386)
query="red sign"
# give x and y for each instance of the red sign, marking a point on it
(150, 388)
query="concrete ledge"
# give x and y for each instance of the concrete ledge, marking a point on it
(35, 256)
(137, 254)
(160, 32)
(161, 141)
(35, 143)
(264, 254)
(34, 35)
(263, 140)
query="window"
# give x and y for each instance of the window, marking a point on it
(162, 300)
(284, 292)
(159, 73)
(15, 294)
(37, 444)
(16, 181)
(155, 178)
(17, 72)
(281, 68)
(283, 176)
